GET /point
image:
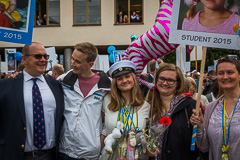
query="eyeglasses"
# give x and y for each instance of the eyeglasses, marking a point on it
(169, 80)
(39, 56)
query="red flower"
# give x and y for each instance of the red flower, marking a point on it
(165, 121)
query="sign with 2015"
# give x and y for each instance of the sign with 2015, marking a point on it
(16, 21)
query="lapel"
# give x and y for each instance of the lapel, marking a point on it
(18, 91)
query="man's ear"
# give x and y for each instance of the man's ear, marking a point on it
(24, 58)
(91, 64)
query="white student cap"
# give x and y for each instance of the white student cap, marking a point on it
(121, 67)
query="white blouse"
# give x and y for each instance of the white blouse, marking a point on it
(111, 117)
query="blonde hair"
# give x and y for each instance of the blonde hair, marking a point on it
(155, 101)
(193, 83)
(115, 93)
(58, 68)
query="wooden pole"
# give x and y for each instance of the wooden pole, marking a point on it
(196, 58)
(201, 78)
(199, 96)
(180, 57)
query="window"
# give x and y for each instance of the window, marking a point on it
(132, 11)
(47, 12)
(87, 11)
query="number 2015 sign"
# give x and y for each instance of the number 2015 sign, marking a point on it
(16, 21)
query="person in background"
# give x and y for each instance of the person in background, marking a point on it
(167, 100)
(31, 109)
(125, 92)
(57, 70)
(213, 95)
(212, 75)
(20, 67)
(44, 20)
(120, 17)
(192, 90)
(135, 17)
(39, 20)
(125, 19)
(196, 78)
(150, 78)
(206, 86)
(218, 130)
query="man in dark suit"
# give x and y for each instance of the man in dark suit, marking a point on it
(150, 78)
(120, 17)
(31, 108)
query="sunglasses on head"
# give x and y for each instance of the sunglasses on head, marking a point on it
(39, 56)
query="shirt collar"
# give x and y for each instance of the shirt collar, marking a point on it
(151, 75)
(28, 77)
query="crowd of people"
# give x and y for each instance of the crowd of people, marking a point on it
(70, 115)
(41, 21)
(123, 18)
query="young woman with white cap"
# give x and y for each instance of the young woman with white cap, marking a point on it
(124, 103)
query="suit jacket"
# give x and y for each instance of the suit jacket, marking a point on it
(145, 88)
(13, 118)
(118, 18)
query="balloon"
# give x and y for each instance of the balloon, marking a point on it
(18, 56)
(111, 58)
(154, 43)
(110, 49)
(238, 32)
(133, 37)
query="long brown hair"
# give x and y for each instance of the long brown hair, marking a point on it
(154, 96)
(115, 93)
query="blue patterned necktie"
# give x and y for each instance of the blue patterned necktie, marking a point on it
(38, 117)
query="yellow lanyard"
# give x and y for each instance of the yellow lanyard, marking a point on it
(124, 115)
(225, 145)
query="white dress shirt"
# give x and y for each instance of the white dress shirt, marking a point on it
(49, 107)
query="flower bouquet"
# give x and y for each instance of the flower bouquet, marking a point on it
(156, 131)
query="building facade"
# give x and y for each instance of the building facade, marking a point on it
(68, 22)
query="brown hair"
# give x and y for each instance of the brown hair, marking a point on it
(89, 49)
(26, 48)
(20, 67)
(192, 11)
(153, 64)
(137, 96)
(226, 59)
(156, 108)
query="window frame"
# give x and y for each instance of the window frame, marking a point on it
(47, 12)
(87, 15)
(129, 14)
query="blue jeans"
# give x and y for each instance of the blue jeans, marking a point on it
(63, 156)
